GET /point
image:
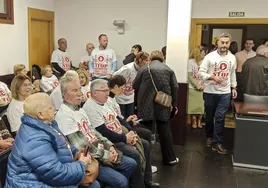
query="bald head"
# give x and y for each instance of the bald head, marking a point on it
(35, 103)
(62, 42)
(89, 48)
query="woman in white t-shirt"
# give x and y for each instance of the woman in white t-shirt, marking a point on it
(21, 88)
(129, 72)
(49, 81)
(195, 98)
(85, 84)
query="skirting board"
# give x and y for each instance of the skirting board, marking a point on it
(249, 165)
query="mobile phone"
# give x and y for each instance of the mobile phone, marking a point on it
(87, 150)
(139, 120)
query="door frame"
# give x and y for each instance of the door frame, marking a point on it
(196, 26)
(41, 15)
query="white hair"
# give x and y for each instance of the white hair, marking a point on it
(262, 50)
(96, 84)
(68, 77)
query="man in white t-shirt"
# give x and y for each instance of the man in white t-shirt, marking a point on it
(84, 61)
(60, 59)
(218, 72)
(103, 62)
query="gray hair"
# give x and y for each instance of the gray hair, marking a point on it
(96, 84)
(262, 50)
(225, 35)
(66, 79)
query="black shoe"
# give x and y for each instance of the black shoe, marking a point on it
(220, 149)
(176, 161)
(209, 142)
(152, 184)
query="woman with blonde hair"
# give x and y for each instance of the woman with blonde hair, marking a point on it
(195, 96)
(85, 84)
(21, 88)
(129, 71)
(49, 81)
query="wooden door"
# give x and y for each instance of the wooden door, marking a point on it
(41, 36)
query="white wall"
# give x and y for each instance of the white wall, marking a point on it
(221, 9)
(14, 38)
(82, 21)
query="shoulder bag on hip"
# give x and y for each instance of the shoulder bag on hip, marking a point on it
(161, 97)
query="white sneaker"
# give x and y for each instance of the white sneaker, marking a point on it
(154, 169)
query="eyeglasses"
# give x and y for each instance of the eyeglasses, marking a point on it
(103, 90)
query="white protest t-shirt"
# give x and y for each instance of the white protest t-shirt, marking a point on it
(62, 58)
(86, 91)
(85, 58)
(14, 113)
(102, 62)
(111, 103)
(193, 67)
(4, 91)
(71, 121)
(129, 72)
(56, 97)
(48, 84)
(102, 114)
(221, 67)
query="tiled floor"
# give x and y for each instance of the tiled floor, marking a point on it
(199, 167)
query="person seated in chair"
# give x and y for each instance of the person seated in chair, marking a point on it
(6, 139)
(49, 81)
(115, 168)
(21, 88)
(41, 157)
(107, 122)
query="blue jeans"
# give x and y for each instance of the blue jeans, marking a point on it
(117, 177)
(216, 105)
(127, 109)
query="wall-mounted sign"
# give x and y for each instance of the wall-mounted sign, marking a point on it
(236, 14)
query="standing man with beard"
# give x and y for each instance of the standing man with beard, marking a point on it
(218, 72)
(103, 62)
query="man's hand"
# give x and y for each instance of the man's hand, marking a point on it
(10, 140)
(113, 154)
(132, 118)
(218, 80)
(130, 137)
(234, 93)
(5, 144)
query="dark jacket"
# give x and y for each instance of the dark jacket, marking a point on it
(129, 58)
(165, 81)
(254, 76)
(40, 158)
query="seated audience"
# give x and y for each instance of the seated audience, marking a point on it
(6, 139)
(126, 98)
(5, 97)
(106, 121)
(254, 76)
(148, 110)
(131, 57)
(42, 156)
(49, 81)
(56, 95)
(85, 84)
(114, 169)
(84, 61)
(21, 88)
(116, 85)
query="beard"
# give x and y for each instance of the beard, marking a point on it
(223, 49)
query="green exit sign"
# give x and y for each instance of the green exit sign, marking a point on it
(236, 14)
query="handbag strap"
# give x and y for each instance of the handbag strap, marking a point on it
(152, 77)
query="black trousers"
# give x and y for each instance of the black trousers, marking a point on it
(165, 137)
